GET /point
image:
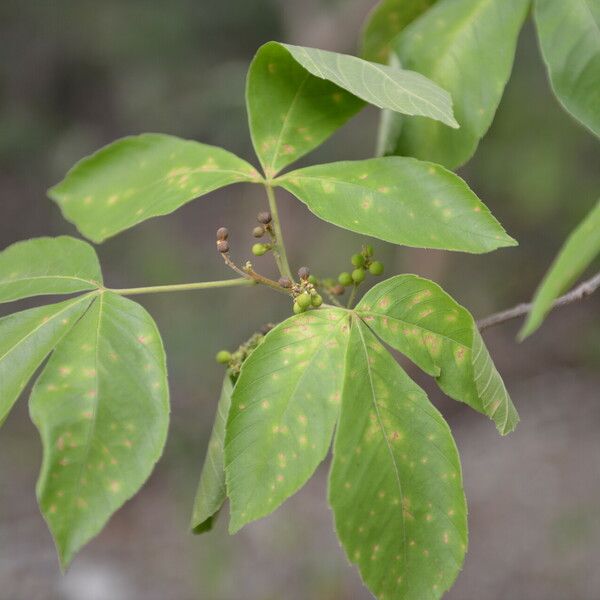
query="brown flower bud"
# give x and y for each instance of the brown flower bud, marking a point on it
(285, 282)
(337, 290)
(223, 246)
(258, 232)
(264, 217)
(222, 233)
(303, 272)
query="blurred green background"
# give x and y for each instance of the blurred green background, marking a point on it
(75, 75)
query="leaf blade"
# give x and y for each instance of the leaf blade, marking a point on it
(26, 339)
(467, 47)
(212, 489)
(395, 483)
(416, 317)
(108, 191)
(400, 200)
(385, 21)
(290, 111)
(576, 254)
(283, 412)
(101, 407)
(569, 37)
(42, 266)
(399, 90)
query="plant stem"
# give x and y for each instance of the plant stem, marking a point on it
(182, 287)
(278, 245)
(587, 288)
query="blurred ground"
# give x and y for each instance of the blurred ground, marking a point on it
(75, 75)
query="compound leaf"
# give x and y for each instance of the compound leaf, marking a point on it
(144, 176)
(580, 249)
(400, 200)
(385, 22)
(399, 90)
(419, 319)
(283, 410)
(26, 339)
(395, 484)
(467, 47)
(290, 111)
(60, 265)
(569, 35)
(212, 489)
(101, 407)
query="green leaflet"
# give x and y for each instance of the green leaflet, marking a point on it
(26, 339)
(580, 249)
(101, 407)
(468, 48)
(395, 484)
(60, 265)
(399, 90)
(290, 111)
(211, 489)
(283, 412)
(385, 22)
(419, 319)
(569, 35)
(400, 200)
(144, 176)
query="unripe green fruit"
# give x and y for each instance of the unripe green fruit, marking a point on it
(303, 300)
(259, 249)
(223, 357)
(368, 249)
(358, 260)
(298, 309)
(358, 275)
(345, 278)
(312, 279)
(376, 268)
(316, 300)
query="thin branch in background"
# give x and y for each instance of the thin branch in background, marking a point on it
(587, 288)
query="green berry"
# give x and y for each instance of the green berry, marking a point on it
(223, 357)
(376, 268)
(303, 300)
(298, 309)
(312, 279)
(316, 300)
(358, 260)
(345, 278)
(260, 249)
(358, 275)
(368, 250)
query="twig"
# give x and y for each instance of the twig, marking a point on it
(587, 288)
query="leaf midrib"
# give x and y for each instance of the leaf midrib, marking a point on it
(384, 433)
